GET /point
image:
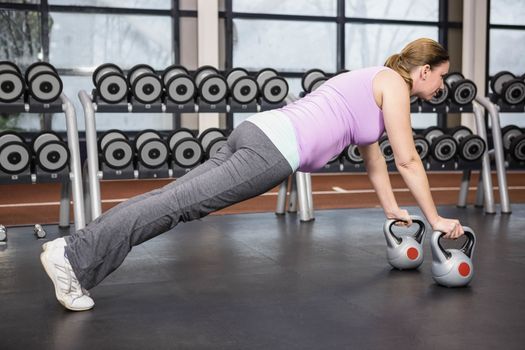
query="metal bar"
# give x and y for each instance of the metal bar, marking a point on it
(87, 196)
(281, 197)
(498, 153)
(485, 163)
(65, 198)
(479, 192)
(292, 204)
(302, 193)
(92, 153)
(309, 196)
(109, 10)
(463, 189)
(75, 170)
(340, 64)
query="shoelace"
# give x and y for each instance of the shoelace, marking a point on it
(70, 284)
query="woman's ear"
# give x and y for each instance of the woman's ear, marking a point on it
(425, 71)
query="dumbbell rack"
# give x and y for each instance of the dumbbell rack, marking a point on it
(451, 107)
(94, 175)
(494, 106)
(73, 179)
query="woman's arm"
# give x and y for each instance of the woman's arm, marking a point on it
(396, 113)
(378, 174)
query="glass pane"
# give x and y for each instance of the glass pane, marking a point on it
(20, 122)
(517, 119)
(142, 4)
(106, 121)
(20, 37)
(23, 1)
(371, 44)
(507, 51)
(415, 10)
(284, 45)
(507, 12)
(423, 120)
(287, 7)
(88, 40)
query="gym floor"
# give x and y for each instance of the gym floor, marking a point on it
(258, 281)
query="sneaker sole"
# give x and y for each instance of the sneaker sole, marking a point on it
(47, 268)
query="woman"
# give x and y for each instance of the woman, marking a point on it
(351, 108)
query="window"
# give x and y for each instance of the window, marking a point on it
(295, 36)
(505, 48)
(78, 39)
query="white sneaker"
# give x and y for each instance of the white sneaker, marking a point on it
(59, 242)
(68, 291)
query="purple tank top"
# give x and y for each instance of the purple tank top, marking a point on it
(340, 112)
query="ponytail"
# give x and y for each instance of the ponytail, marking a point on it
(395, 62)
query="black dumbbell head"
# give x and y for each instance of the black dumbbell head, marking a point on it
(187, 152)
(497, 81)
(309, 77)
(104, 69)
(153, 153)
(117, 153)
(52, 156)
(244, 90)
(11, 86)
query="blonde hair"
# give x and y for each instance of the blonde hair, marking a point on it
(417, 53)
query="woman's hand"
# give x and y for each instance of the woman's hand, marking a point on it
(451, 227)
(402, 215)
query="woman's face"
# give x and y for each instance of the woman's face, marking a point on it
(432, 80)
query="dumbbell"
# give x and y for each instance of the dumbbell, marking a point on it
(3, 235)
(51, 153)
(312, 79)
(110, 82)
(145, 85)
(351, 154)
(443, 148)
(211, 140)
(461, 91)
(43, 82)
(440, 97)
(39, 231)
(243, 88)
(11, 82)
(186, 151)
(432, 132)
(413, 99)
(15, 155)
(115, 149)
(509, 87)
(509, 133)
(459, 132)
(470, 147)
(386, 149)
(273, 88)
(178, 84)
(152, 151)
(517, 148)
(212, 87)
(422, 146)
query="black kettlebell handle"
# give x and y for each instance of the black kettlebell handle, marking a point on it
(468, 246)
(418, 235)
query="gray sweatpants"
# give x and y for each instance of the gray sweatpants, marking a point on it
(248, 165)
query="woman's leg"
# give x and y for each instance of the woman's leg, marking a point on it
(220, 157)
(254, 167)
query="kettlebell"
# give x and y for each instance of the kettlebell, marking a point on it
(405, 252)
(453, 267)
